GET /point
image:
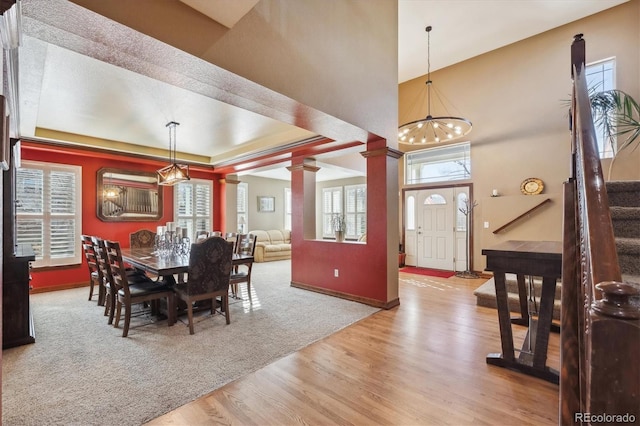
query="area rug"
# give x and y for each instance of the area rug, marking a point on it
(427, 271)
(81, 371)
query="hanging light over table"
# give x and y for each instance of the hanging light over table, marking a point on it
(174, 172)
(432, 129)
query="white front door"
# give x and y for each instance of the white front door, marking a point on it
(436, 230)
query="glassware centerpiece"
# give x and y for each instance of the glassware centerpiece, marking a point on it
(172, 240)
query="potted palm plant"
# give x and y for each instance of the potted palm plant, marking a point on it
(619, 115)
(339, 225)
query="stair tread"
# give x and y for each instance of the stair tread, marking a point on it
(486, 296)
(624, 212)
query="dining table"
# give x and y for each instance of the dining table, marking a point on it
(168, 266)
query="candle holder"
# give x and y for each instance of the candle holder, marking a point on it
(172, 244)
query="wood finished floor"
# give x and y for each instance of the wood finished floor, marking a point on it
(421, 363)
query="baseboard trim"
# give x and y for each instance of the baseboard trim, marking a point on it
(365, 300)
(59, 287)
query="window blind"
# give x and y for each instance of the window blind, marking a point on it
(48, 212)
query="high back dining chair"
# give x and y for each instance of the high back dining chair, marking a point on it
(202, 235)
(135, 288)
(142, 238)
(208, 276)
(95, 275)
(242, 273)
(107, 278)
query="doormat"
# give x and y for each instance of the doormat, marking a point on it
(427, 271)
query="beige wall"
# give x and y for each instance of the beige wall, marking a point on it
(515, 96)
(269, 188)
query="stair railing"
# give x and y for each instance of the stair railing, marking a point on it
(523, 215)
(600, 329)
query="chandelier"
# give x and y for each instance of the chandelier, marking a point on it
(174, 172)
(432, 129)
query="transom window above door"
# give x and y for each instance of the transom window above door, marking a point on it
(435, 199)
(441, 164)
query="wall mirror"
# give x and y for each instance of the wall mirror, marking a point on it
(128, 196)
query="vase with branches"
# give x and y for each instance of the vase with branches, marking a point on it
(467, 210)
(339, 225)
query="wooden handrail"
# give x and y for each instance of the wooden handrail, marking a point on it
(593, 326)
(511, 222)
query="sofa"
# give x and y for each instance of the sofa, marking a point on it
(274, 244)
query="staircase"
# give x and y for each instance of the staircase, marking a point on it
(624, 201)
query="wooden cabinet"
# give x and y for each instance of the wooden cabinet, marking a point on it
(17, 325)
(17, 322)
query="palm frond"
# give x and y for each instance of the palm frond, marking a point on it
(619, 115)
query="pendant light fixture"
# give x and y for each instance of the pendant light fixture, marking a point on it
(174, 172)
(431, 129)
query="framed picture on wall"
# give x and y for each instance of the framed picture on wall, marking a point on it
(266, 204)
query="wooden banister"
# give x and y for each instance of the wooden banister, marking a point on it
(531, 210)
(600, 335)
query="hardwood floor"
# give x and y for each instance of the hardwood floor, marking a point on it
(421, 363)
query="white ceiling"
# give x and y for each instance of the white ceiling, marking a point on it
(104, 96)
(463, 29)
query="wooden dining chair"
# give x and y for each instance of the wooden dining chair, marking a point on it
(95, 275)
(246, 244)
(135, 288)
(202, 235)
(142, 238)
(208, 276)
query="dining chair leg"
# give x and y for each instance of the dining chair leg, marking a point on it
(190, 316)
(171, 308)
(111, 308)
(234, 291)
(118, 311)
(225, 304)
(127, 319)
(91, 288)
(101, 294)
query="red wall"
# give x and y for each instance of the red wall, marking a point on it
(362, 268)
(91, 162)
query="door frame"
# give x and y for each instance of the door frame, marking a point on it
(470, 233)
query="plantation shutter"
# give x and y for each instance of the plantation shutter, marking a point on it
(242, 199)
(331, 204)
(203, 207)
(62, 191)
(356, 210)
(30, 202)
(192, 207)
(48, 214)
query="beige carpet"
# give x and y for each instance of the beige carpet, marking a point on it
(81, 371)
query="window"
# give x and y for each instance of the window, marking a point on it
(331, 204)
(461, 217)
(242, 202)
(355, 210)
(192, 206)
(600, 78)
(287, 209)
(442, 164)
(435, 199)
(410, 212)
(49, 212)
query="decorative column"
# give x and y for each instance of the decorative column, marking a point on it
(303, 199)
(228, 202)
(382, 211)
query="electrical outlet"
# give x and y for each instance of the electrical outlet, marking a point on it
(335, 273)
(486, 225)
